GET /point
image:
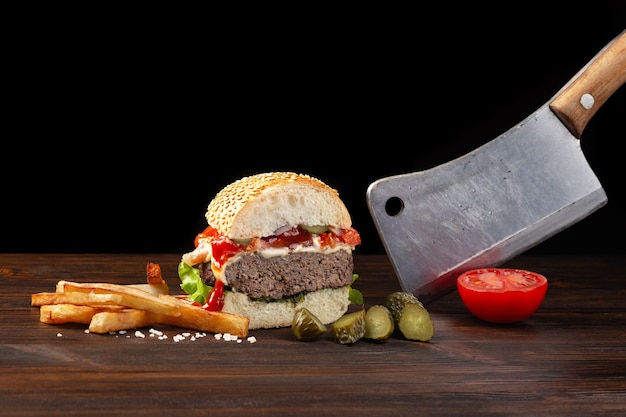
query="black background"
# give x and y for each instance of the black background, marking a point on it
(123, 125)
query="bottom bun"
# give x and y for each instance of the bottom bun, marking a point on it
(327, 304)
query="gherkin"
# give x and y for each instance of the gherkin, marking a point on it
(306, 326)
(379, 323)
(415, 323)
(396, 300)
(349, 328)
(410, 316)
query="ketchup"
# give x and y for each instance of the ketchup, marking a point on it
(223, 248)
(215, 301)
(289, 237)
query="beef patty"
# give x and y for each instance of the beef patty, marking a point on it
(283, 276)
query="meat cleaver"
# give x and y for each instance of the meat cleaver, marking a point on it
(506, 196)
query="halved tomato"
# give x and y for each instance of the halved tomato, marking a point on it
(502, 295)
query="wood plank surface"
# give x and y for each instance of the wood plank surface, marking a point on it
(568, 359)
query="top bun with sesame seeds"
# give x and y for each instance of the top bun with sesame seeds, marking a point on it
(276, 236)
(259, 205)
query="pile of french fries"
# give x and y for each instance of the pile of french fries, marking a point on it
(109, 307)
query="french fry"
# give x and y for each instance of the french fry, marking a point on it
(112, 321)
(194, 317)
(68, 313)
(153, 274)
(152, 288)
(155, 289)
(76, 298)
(129, 296)
(191, 317)
(113, 307)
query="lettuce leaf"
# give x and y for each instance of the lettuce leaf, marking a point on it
(192, 284)
(355, 296)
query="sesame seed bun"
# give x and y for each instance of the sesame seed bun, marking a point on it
(258, 205)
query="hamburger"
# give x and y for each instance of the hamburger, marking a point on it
(275, 242)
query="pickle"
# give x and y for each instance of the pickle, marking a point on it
(316, 230)
(306, 326)
(415, 323)
(396, 300)
(410, 316)
(379, 323)
(243, 242)
(349, 328)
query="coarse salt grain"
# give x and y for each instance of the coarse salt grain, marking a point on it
(156, 333)
(229, 337)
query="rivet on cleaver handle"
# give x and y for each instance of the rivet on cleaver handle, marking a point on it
(503, 198)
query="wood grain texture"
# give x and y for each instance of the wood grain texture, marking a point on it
(568, 359)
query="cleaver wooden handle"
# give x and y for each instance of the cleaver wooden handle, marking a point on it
(579, 101)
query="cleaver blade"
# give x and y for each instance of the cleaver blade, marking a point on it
(495, 202)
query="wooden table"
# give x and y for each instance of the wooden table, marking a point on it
(568, 359)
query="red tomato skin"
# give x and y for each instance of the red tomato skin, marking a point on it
(507, 304)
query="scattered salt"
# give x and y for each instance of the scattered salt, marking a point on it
(160, 335)
(230, 337)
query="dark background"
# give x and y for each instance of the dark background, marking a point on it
(123, 125)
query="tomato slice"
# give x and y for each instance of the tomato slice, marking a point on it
(502, 295)
(350, 236)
